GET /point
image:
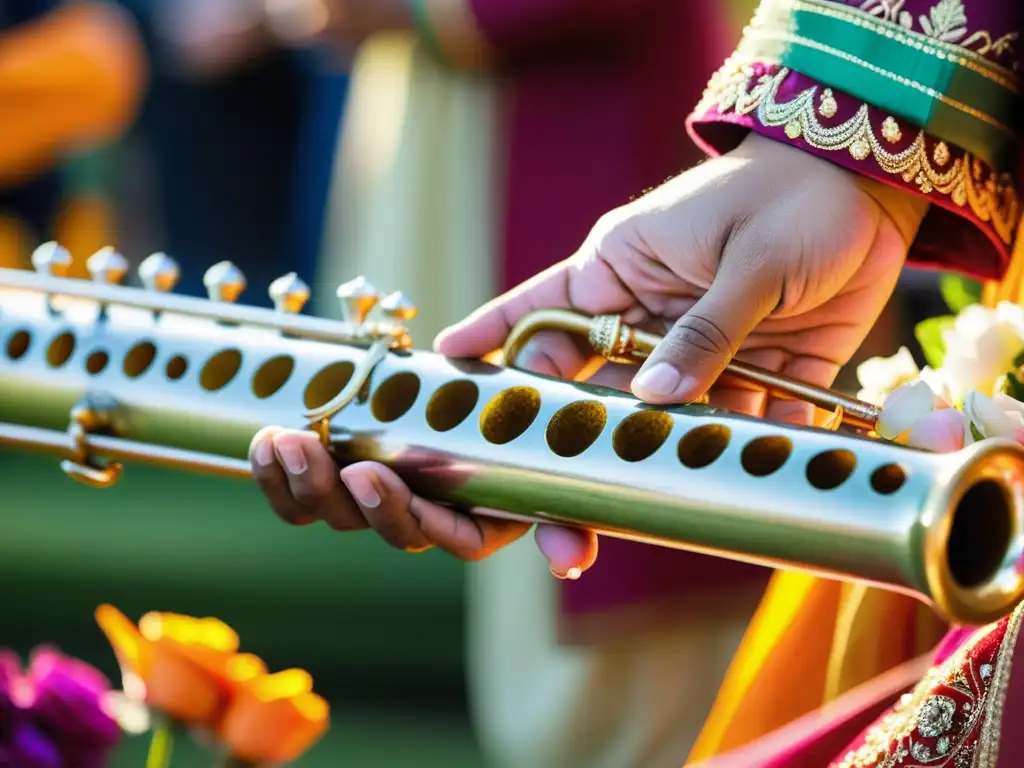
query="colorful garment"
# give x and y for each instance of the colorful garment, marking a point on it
(920, 96)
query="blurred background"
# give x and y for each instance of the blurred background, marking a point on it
(210, 130)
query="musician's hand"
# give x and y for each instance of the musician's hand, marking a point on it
(768, 253)
(303, 485)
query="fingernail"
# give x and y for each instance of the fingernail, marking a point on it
(292, 457)
(362, 491)
(264, 453)
(660, 379)
(571, 575)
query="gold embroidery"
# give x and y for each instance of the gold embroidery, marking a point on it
(828, 106)
(993, 199)
(997, 48)
(905, 35)
(988, 742)
(892, 11)
(945, 21)
(891, 130)
(930, 92)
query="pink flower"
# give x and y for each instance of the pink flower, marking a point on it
(57, 706)
(941, 431)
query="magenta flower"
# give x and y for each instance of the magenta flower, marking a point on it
(54, 714)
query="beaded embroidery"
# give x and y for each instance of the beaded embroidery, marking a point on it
(952, 718)
(968, 182)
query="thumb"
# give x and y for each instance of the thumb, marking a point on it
(696, 350)
(569, 551)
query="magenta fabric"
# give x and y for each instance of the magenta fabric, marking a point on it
(594, 100)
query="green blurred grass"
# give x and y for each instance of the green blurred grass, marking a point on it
(381, 631)
(357, 740)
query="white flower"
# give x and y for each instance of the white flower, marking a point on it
(939, 381)
(880, 376)
(999, 416)
(907, 403)
(981, 347)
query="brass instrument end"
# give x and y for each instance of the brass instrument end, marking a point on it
(974, 534)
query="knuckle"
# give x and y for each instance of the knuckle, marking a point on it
(343, 523)
(695, 331)
(394, 533)
(314, 491)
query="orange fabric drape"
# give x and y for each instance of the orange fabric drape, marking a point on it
(71, 79)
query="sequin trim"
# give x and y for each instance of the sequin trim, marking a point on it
(952, 718)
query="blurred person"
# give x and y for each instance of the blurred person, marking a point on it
(480, 142)
(234, 128)
(71, 78)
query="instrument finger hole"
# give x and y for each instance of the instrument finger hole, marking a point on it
(138, 359)
(272, 375)
(18, 344)
(888, 479)
(60, 349)
(830, 469)
(509, 414)
(327, 384)
(641, 434)
(395, 396)
(702, 446)
(176, 367)
(96, 362)
(451, 405)
(765, 455)
(220, 370)
(576, 427)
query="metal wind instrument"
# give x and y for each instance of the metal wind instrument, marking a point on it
(101, 375)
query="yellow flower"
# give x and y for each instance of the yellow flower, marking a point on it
(981, 347)
(274, 718)
(187, 668)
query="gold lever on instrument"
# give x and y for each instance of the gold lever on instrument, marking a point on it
(619, 342)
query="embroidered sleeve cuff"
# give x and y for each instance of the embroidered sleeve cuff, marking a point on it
(975, 211)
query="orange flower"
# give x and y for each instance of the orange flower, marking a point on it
(274, 718)
(185, 667)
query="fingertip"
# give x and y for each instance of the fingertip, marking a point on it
(662, 382)
(261, 449)
(359, 481)
(569, 551)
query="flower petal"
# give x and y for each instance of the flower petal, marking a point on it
(907, 404)
(124, 638)
(941, 431)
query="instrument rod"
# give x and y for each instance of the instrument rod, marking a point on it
(618, 341)
(299, 326)
(62, 445)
